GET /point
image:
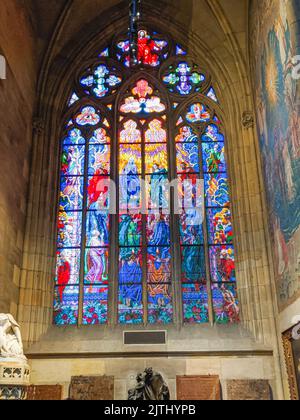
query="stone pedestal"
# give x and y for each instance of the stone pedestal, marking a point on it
(14, 379)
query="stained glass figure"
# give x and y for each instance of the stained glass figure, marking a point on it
(182, 79)
(155, 133)
(67, 268)
(150, 49)
(214, 157)
(130, 133)
(142, 101)
(130, 286)
(216, 190)
(74, 137)
(212, 134)
(101, 81)
(219, 226)
(99, 160)
(69, 229)
(225, 303)
(100, 137)
(96, 263)
(160, 308)
(198, 113)
(72, 160)
(222, 263)
(71, 193)
(98, 189)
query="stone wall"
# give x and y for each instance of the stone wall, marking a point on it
(124, 371)
(17, 96)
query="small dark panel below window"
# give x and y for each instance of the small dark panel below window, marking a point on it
(144, 337)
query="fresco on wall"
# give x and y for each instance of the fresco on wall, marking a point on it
(275, 41)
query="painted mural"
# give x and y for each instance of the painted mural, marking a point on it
(275, 40)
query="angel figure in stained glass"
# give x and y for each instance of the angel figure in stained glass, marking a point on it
(96, 267)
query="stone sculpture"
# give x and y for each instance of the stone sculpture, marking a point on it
(11, 345)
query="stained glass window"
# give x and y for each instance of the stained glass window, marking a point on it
(124, 254)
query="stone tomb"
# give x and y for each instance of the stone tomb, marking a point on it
(92, 388)
(198, 388)
(249, 390)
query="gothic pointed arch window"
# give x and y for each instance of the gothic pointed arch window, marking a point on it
(133, 246)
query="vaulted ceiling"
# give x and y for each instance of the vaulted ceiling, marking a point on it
(211, 20)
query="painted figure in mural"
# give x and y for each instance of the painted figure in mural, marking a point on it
(11, 345)
(130, 185)
(96, 263)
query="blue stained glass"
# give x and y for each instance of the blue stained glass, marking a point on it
(88, 116)
(212, 134)
(193, 264)
(100, 137)
(195, 303)
(219, 226)
(180, 50)
(212, 95)
(130, 230)
(130, 192)
(160, 309)
(69, 230)
(74, 137)
(187, 158)
(95, 305)
(225, 304)
(101, 81)
(72, 160)
(158, 229)
(183, 79)
(99, 160)
(97, 228)
(186, 134)
(191, 227)
(157, 188)
(104, 53)
(216, 190)
(222, 264)
(214, 157)
(130, 265)
(66, 301)
(71, 193)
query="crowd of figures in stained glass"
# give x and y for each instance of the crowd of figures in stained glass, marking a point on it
(131, 273)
